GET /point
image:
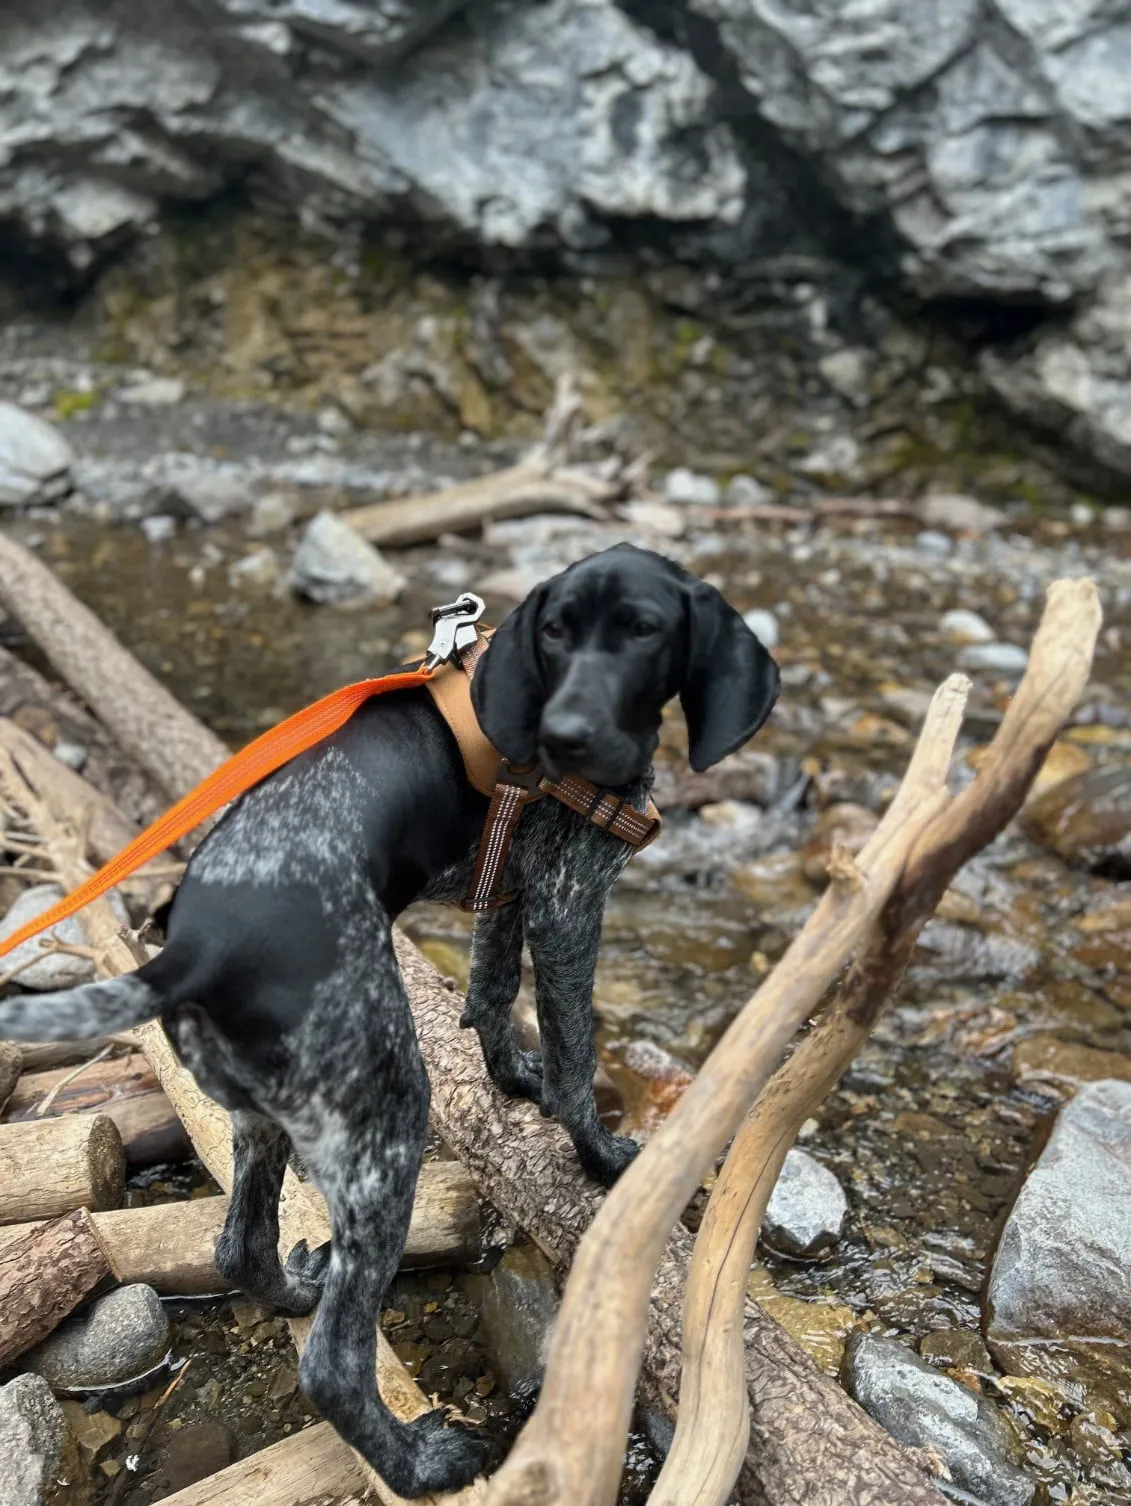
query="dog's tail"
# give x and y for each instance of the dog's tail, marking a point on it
(78, 1013)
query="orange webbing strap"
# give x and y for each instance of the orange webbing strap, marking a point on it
(267, 753)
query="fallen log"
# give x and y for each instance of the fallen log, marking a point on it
(169, 1246)
(11, 1065)
(52, 1166)
(526, 1166)
(310, 1468)
(146, 720)
(44, 1275)
(124, 1089)
(43, 1056)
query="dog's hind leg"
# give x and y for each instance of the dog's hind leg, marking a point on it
(247, 1250)
(367, 1169)
(496, 971)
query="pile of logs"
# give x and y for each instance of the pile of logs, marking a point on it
(755, 1416)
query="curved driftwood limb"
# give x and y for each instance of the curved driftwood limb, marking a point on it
(595, 1353)
(705, 1456)
(713, 1430)
(147, 721)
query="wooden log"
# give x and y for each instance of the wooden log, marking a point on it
(52, 1166)
(515, 1157)
(124, 1089)
(170, 1246)
(11, 1065)
(310, 1468)
(44, 1275)
(146, 720)
(43, 1056)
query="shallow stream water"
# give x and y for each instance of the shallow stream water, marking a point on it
(932, 1129)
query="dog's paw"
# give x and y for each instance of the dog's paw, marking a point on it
(445, 1458)
(605, 1158)
(305, 1272)
(520, 1076)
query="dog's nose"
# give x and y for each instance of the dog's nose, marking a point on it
(567, 735)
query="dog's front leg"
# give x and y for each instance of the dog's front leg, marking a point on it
(564, 951)
(496, 971)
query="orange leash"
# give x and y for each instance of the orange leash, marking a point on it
(237, 774)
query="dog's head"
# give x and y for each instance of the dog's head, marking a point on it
(579, 674)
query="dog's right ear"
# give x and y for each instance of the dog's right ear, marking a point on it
(507, 690)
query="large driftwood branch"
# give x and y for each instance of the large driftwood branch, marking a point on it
(824, 1445)
(602, 1324)
(712, 1432)
(303, 1214)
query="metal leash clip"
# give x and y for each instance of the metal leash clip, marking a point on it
(454, 629)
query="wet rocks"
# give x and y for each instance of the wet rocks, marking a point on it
(152, 392)
(685, 487)
(807, 1208)
(764, 625)
(49, 970)
(959, 514)
(845, 827)
(1087, 819)
(518, 1305)
(1059, 1295)
(35, 459)
(334, 564)
(924, 1409)
(1005, 659)
(193, 1453)
(209, 493)
(745, 491)
(1067, 1063)
(40, 1462)
(966, 627)
(118, 1337)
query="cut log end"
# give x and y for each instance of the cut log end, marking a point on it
(107, 1160)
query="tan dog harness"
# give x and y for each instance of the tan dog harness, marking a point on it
(510, 787)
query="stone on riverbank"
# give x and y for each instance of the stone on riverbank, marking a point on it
(40, 1462)
(120, 1336)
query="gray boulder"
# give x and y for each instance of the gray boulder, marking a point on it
(40, 1462)
(52, 970)
(807, 1207)
(35, 459)
(924, 1409)
(334, 564)
(122, 1335)
(1059, 1295)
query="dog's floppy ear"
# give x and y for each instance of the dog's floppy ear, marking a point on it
(507, 690)
(730, 684)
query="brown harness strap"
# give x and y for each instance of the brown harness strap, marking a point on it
(513, 789)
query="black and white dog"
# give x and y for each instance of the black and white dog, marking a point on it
(278, 983)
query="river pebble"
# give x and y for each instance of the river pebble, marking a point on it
(691, 488)
(745, 491)
(40, 1462)
(994, 658)
(1087, 819)
(35, 459)
(1059, 1295)
(118, 1337)
(764, 626)
(152, 392)
(961, 626)
(807, 1208)
(924, 1409)
(334, 564)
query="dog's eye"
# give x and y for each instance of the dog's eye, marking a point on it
(553, 632)
(644, 629)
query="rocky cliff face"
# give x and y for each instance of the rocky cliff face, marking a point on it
(962, 150)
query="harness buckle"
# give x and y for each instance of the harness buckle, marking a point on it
(454, 630)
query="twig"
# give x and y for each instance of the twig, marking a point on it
(45, 1106)
(129, 1476)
